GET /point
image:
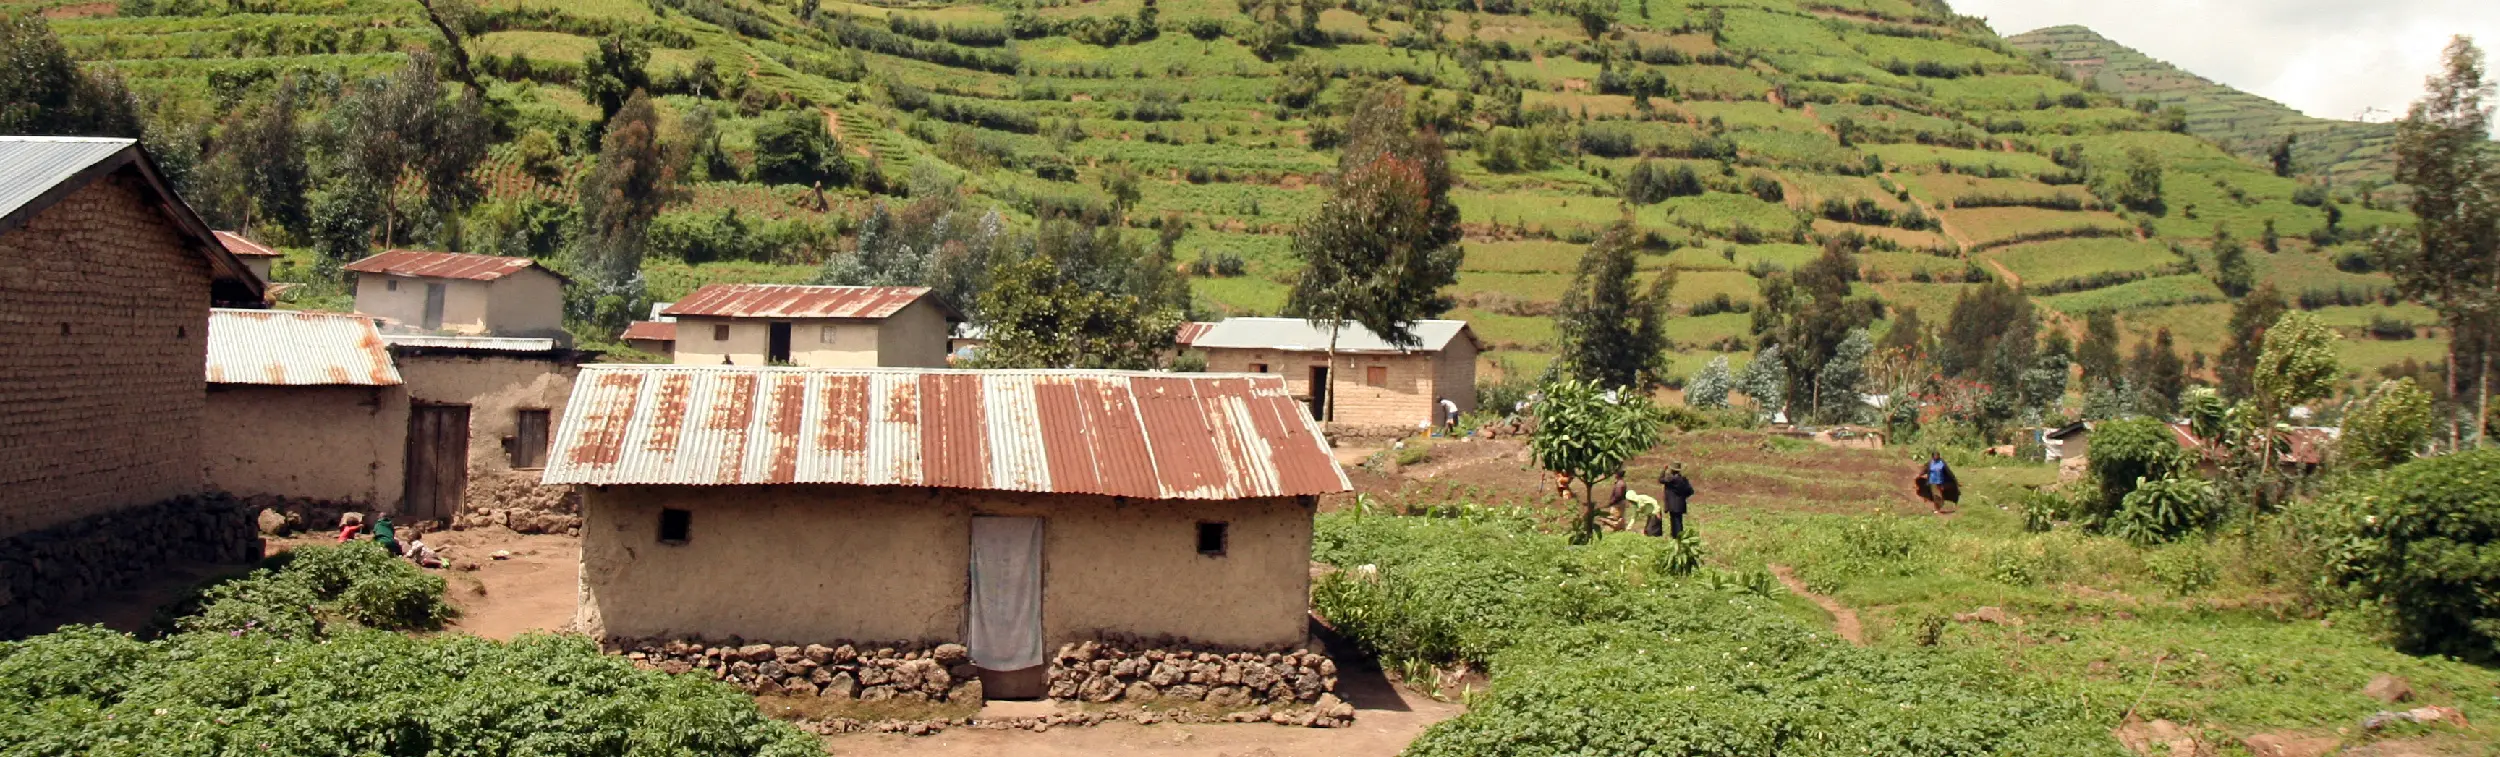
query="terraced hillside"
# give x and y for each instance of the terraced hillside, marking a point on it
(1775, 124)
(2245, 123)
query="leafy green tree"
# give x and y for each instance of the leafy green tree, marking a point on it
(2387, 426)
(2425, 536)
(2298, 365)
(2134, 182)
(795, 147)
(2282, 155)
(390, 137)
(2232, 271)
(1595, 16)
(1614, 332)
(42, 90)
(1384, 244)
(1991, 337)
(2159, 374)
(1839, 379)
(1080, 297)
(2098, 353)
(1808, 315)
(1765, 380)
(1589, 433)
(634, 178)
(614, 72)
(1709, 388)
(1907, 336)
(2160, 510)
(270, 148)
(2126, 453)
(2250, 318)
(2450, 260)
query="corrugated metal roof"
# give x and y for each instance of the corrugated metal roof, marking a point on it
(442, 265)
(1190, 332)
(295, 348)
(1146, 435)
(496, 343)
(244, 247)
(659, 331)
(795, 301)
(31, 166)
(1298, 335)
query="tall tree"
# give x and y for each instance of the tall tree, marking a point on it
(2250, 318)
(2231, 268)
(42, 90)
(270, 148)
(2450, 260)
(2297, 367)
(401, 134)
(2098, 353)
(2159, 374)
(615, 72)
(1078, 297)
(633, 180)
(1809, 314)
(1385, 243)
(1991, 337)
(456, 19)
(2282, 155)
(1613, 331)
(1709, 388)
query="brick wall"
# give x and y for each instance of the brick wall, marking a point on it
(104, 320)
(1403, 399)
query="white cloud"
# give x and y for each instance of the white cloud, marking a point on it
(2326, 58)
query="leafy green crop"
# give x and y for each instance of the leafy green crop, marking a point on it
(1600, 650)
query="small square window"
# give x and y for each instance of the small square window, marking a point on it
(720, 332)
(827, 336)
(674, 525)
(390, 285)
(1211, 538)
(1258, 367)
(1377, 376)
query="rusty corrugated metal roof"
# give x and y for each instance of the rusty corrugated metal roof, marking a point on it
(296, 348)
(442, 265)
(795, 301)
(1190, 332)
(1146, 435)
(657, 331)
(243, 247)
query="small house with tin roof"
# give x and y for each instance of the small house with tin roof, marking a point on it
(1377, 383)
(303, 408)
(458, 293)
(812, 326)
(259, 257)
(1010, 511)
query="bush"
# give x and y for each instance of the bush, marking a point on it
(308, 591)
(2426, 535)
(2125, 452)
(2385, 427)
(2161, 510)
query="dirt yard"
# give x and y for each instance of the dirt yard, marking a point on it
(532, 590)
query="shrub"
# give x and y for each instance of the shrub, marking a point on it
(2425, 543)
(2385, 427)
(2183, 569)
(2125, 452)
(2161, 510)
(306, 592)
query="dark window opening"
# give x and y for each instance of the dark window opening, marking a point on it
(720, 332)
(529, 439)
(1258, 367)
(674, 525)
(1211, 539)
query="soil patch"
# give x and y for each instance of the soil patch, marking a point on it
(1844, 620)
(1386, 719)
(532, 590)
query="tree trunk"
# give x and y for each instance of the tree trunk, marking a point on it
(2455, 433)
(459, 53)
(2482, 394)
(1333, 328)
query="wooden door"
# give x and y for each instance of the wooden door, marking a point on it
(438, 462)
(433, 318)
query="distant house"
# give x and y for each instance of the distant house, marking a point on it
(813, 326)
(655, 337)
(106, 280)
(456, 293)
(304, 407)
(1377, 384)
(256, 256)
(481, 412)
(2070, 442)
(1012, 511)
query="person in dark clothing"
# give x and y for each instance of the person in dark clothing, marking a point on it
(1679, 491)
(1617, 501)
(1937, 485)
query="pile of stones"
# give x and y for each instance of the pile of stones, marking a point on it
(866, 672)
(1328, 712)
(1123, 670)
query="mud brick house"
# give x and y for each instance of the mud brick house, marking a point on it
(655, 337)
(106, 280)
(303, 407)
(1011, 511)
(457, 293)
(1377, 384)
(481, 411)
(812, 326)
(256, 256)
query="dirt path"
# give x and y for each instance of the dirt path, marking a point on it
(1844, 620)
(1386, 719)
(533, 590)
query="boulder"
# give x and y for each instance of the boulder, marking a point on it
(817, 653)
(272, 522)
(2388, 688)
(1187, 691)
(755, 652)
(968, 692)
(951, 655)
(1228, 697)
(1330, 706)
(1099, 689)
(1140, 691)
(839, 686)
(876, 694)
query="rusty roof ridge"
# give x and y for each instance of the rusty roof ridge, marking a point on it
(1084, 372)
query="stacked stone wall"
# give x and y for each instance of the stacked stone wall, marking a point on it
(47, 571)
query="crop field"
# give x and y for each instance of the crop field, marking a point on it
(1990, 227)
(2182, 289)
(1951, 190)
(2041, 264)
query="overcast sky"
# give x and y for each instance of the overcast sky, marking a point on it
(2327, 58)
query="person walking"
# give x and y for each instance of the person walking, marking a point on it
(1940, 481)
(1676, 497)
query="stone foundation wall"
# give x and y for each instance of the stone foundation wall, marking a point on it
(515, 500)
(45, 571)
(867, 672)
(1129, 670)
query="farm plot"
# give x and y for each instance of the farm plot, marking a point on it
(2069, 264)
(2154, 292)
(1995, 227)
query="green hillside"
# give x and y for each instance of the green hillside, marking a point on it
(1783, 123)
(2244, 123)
